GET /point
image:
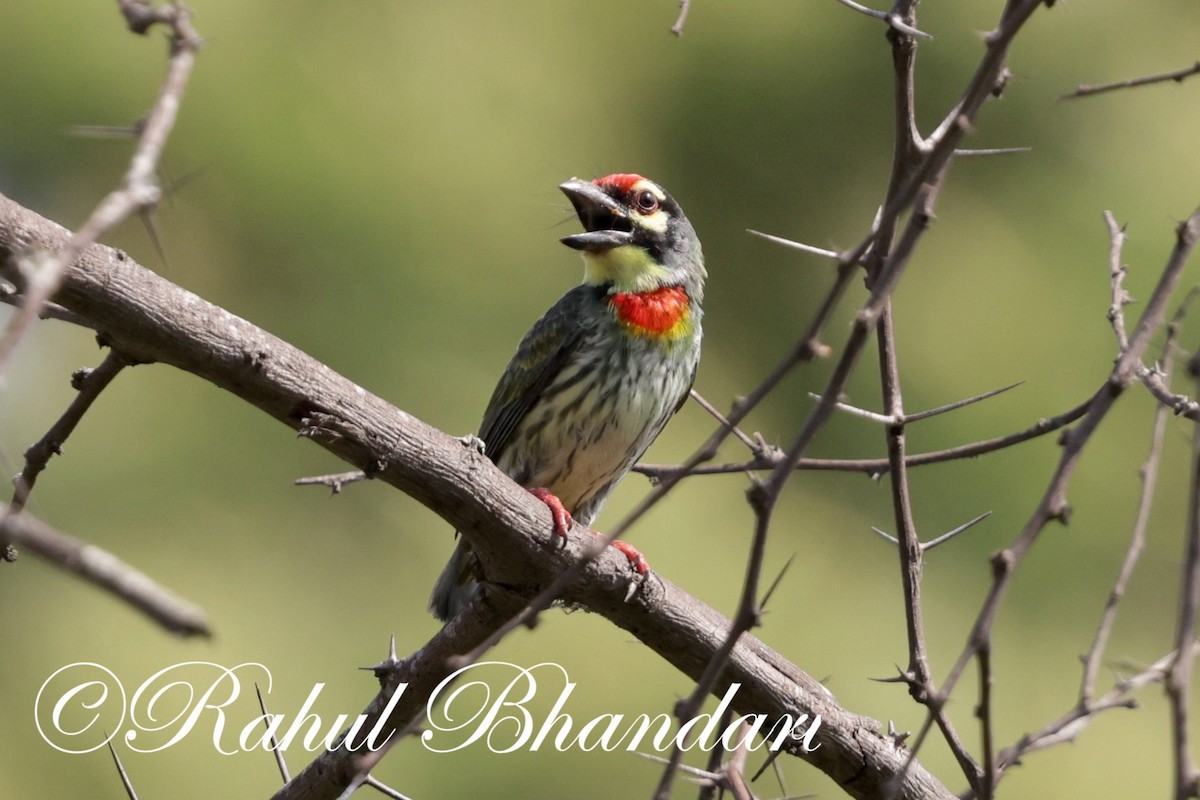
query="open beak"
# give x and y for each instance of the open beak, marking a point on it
(605, 223)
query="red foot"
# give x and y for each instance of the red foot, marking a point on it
(563, 521)
(562, 518)
(635, 558)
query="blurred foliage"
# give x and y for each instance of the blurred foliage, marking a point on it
(375, 182)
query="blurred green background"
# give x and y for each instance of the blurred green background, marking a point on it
(375, 183)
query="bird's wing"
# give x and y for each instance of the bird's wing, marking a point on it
(684, 397)
(691, 379)
(539, 358)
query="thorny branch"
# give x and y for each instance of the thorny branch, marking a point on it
(925, 158)
(907, 148)
(1053, 505)
(1148, 471)
(40, 273)
(807, 348)
(874, 467)
(918, 676)
(1070, 725)
(1116, 273)
(139, 189)
(89, 561)
(919, 167)
(1179, 673)
(90, 384)
(1087, 705)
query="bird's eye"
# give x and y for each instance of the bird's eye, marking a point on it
(646, 202)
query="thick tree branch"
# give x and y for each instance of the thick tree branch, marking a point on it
(150, 319)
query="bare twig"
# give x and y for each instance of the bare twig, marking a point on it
(930, 160)
(712, 778)
(918, 170)
(918, 675)
(704, 777)
(1116, 273)
(91, 384)
(886, 419)
(139, 188)
(684, 7)
(746, 617)
(1180, 405)
(105, 571)
(986, 783)
(1068, 726)
(764, 496)
(874, 466)
(1137, 539)
(1178, 76)
(336, 482)
(1053, 505)
(1179, 674)
(916, 184)
(9, 296)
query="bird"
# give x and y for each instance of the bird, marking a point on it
(596, 379)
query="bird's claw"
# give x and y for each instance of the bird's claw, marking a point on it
(636, 560)
(562, 517)
(563, 522)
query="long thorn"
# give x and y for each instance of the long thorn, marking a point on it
(807, 248)
(279, 762)
(121, 771)
(933, 412)
(945, 537)
(775, 583)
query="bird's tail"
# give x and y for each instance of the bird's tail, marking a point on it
(456, 585)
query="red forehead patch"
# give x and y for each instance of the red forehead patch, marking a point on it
(623, 181)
